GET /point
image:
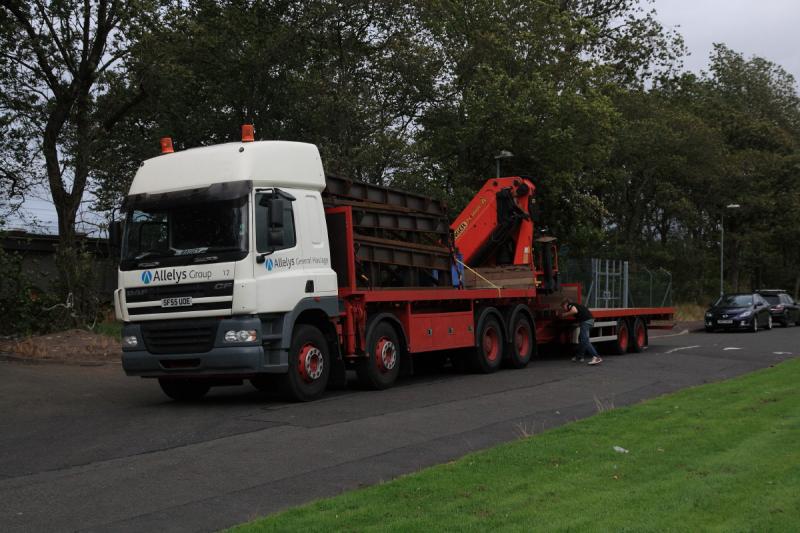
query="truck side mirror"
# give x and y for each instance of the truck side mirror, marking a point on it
(276, 207)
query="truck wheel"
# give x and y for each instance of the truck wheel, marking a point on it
(380, 368)
(488, 353)
(184, 390)
(639, 336)
(309, 364)
(523, 342)
(620, 345)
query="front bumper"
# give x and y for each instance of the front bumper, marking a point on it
(735, 323)
(221, 359)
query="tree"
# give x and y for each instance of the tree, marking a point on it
(58, 59)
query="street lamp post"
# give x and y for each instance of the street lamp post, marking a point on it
(504, 154)
(722, 247)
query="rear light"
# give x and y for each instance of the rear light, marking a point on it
(166, 145)
(248, 133)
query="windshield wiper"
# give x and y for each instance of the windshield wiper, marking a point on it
(205, 259)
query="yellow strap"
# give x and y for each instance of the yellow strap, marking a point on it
(477, 274)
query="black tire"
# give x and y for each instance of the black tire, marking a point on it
(381, 366)
(769, 322)
(623, 340)
(754, 329)
(309, 364)
(489, 344)
(639, 338)
(522, 344)
(184, 390)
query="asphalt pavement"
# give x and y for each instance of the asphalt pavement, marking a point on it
(89, 449)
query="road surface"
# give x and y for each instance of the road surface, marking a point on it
(88, 449)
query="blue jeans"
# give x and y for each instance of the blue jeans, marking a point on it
(584, 345)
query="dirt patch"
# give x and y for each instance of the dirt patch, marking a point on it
(71, 346)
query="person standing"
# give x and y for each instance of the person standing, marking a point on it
(586, 322)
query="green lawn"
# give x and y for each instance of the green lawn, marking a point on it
(721, 457)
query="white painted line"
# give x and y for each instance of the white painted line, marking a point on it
(730, 348)
(782, 353)
(682, 348)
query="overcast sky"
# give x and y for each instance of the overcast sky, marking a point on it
(766, 28)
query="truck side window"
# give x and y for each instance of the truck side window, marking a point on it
(262, 235)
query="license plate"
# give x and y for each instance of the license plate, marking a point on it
(184, 301)
(718, 321)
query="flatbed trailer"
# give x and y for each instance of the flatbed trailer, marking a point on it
(244, 261)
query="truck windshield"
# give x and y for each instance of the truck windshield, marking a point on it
(185, 234)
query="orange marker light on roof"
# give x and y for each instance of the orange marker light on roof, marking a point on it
(166, 145)
(248, 133)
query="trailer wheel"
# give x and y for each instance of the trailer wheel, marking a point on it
(380, 368)
(620, 345)
(309, 364)
(639, 336)
(488, 353)
(523, 341)
(184, 390)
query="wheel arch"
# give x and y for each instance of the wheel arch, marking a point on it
(317, 312)
(374, 320)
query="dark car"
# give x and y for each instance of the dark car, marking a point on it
(747, 311)
(782, 307)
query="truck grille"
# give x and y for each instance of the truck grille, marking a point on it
(153, 295)
(180, 336)
(195, 290)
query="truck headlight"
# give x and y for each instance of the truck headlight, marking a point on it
(130, 341)
(242, 335)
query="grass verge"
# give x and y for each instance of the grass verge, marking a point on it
(720, 457)
(689, 311)
(111, 329)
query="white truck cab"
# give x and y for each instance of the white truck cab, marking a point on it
(223, 248)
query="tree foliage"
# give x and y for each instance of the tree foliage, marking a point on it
(631, 157)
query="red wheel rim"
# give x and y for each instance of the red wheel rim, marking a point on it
(640, 336)
(385, 354)
(522, 340)
(491, 344)
(622, 337)
(310, 363)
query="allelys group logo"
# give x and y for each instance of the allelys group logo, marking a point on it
(147, 277)
(269, 264)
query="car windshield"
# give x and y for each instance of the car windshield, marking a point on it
(185, 231)
(735, 300)
(771, 298)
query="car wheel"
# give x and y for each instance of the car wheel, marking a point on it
(769, 322)
(754, 329)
